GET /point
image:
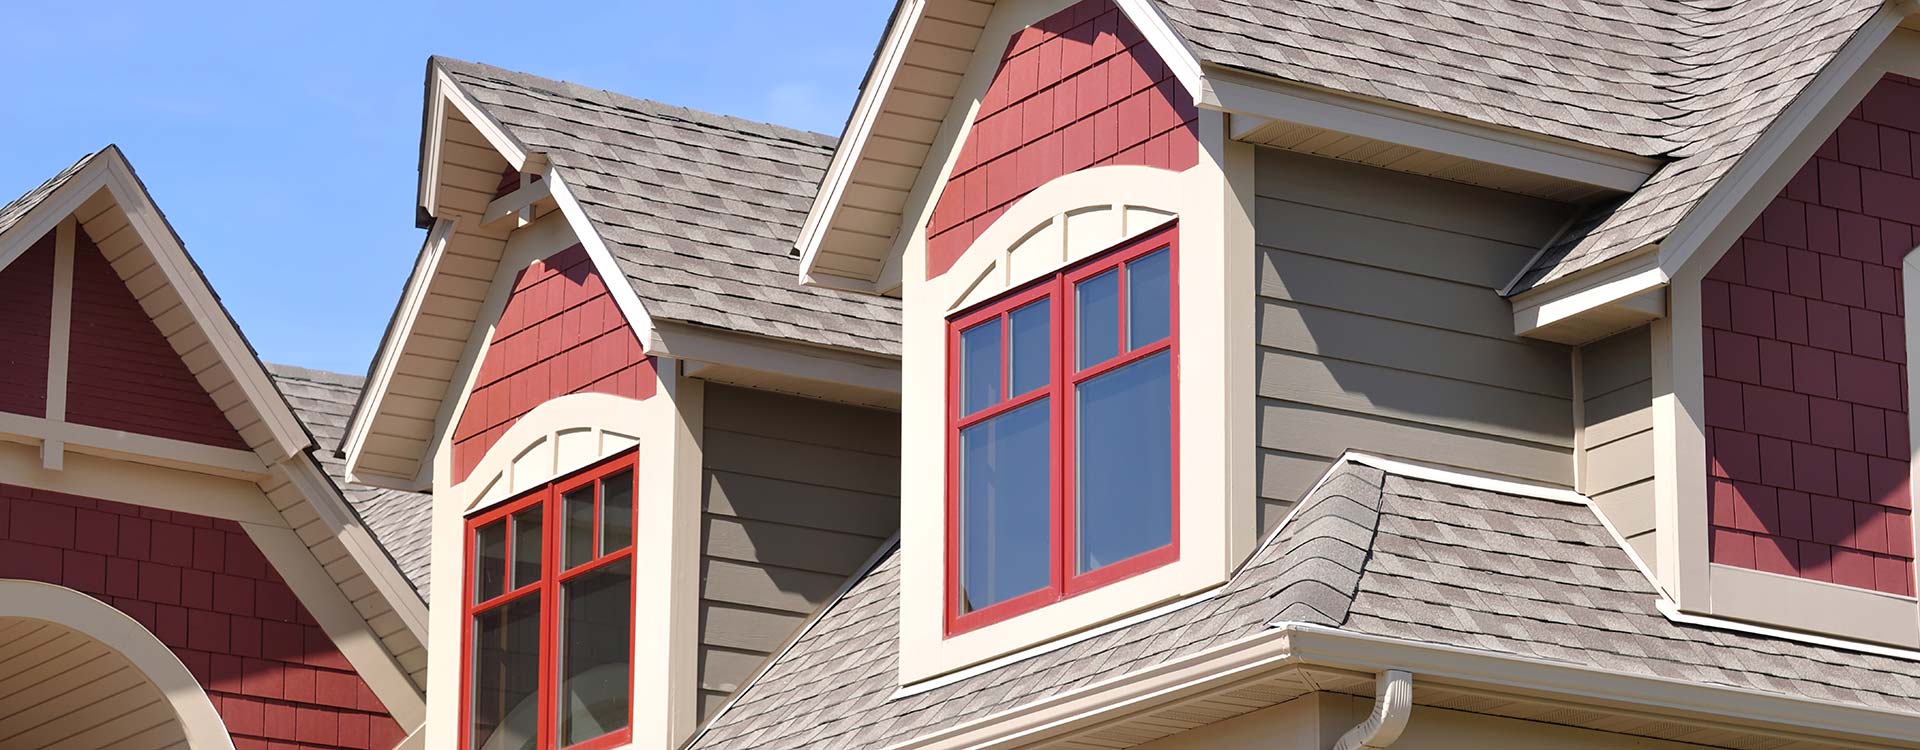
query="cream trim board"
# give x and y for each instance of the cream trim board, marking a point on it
(1216, 329)
(120, 480)
(800, 368)
(387, 361)
(603, 261)
(61, 333)
(305, 473)
(1248, 95)
(147, 449)
(343, 624)
(115, 630)
(1813, 606)
(52, 210)
(443, 92)
(556, 438)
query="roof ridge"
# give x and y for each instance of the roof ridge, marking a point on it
(645, 107)
(324, 377)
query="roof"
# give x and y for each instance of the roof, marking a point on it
(699, 210)
(401, 522)
(1367, 552)
(13, 212)
(1693, 81)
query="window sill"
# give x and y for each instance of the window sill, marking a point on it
(1813, 606)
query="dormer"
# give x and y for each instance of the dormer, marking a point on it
(650, 454)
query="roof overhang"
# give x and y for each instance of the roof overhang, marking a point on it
(920, 91)
(1294, 659)
(1631, 290)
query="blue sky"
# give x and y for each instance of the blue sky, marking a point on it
(281, 138)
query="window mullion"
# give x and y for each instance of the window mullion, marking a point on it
(549, 620)
(1064, 357)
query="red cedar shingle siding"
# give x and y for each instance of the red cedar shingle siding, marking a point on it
(26, 310)
(201, 586)
(560, 333)
(1080, 89)
(1806, 362)
(122, 374)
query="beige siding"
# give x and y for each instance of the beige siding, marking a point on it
(1616, 379)
(798, 495)
(61, 689)
(1381, 328)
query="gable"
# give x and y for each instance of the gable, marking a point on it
(1080, 88)
(26, 308)
(560, 333)
(122, 373)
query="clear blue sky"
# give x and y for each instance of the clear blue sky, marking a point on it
(281, 138)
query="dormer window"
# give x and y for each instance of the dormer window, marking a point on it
(550, 614)
(1061, 454)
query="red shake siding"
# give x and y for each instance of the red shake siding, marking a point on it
(560, 333)
(121, 372)
(1080, 89)
(201, 586)
(1805, 355)
(26, 317)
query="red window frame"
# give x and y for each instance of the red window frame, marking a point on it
(1063, 376)
(547, 586)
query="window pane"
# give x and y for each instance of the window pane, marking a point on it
(526, 546)
(1005, 538)
(1098, 318)
(595, 638)
(1124, 475)
(506, 675)
(616, 512)
(980, 367)
(578, 509)
(490, 561)
(1031, 347)
(1148, 308)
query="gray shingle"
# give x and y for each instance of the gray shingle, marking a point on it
(700, 210)
(18, 209)
(1691, 81)
(401, 522)
(1366, 552)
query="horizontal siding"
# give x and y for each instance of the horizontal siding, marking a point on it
(1616, 377)
(798, 495)
(1381, 328)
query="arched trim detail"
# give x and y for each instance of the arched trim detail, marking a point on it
(114, 629)
(558, 436)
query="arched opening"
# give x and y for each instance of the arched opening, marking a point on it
(77, 673)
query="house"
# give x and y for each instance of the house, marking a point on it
(1129, 373)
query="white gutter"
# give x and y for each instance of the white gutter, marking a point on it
(1392, 704)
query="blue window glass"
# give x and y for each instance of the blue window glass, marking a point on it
(1098, 318)
(1148, 306)
(1005, 508)
(980, 367)
(1031, 347)
(1123, 477)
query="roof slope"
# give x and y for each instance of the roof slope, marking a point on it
(1367, 552)
(13, 212)
(401, 522)
(700, 210)
(1695, 81)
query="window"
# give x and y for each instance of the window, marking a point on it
(549, 611)
(1060, 455)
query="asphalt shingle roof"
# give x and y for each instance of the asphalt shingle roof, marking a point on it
(13, 212)
(699, 210)
(1692, 81)
(1367, 552)
(401, 522)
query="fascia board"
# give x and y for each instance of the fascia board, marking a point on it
(387, 360)
(47, 215)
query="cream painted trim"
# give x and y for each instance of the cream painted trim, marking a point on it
(387, 361)
(1672, 612)
(52, 210)
(305, 473)
(1153, 26)
(703, 349)
(1069, 218)
(1257, 96)
(130, 446)
(125, 481)
(1813, 606)
(342, 623)
(516, 202)
(59, 339)
(1624, 279)
(115, 630)
(443, 92)
(558, 437)
(672, 468)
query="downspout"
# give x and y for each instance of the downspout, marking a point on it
(1392, 702)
